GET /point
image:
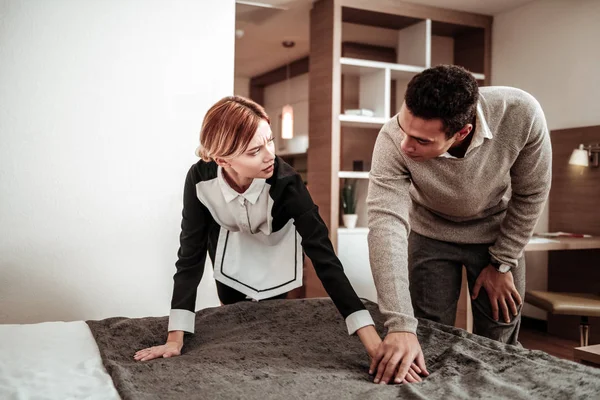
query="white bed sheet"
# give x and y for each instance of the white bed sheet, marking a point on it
(52, 360)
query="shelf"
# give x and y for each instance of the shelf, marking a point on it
(362, 122)
(359, 230)
(354, 174)
(283, 154)
(356, 66)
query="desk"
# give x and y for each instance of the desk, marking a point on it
(464, 317)
(588, 354)
(563, 243)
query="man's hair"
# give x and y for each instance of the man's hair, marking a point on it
(228, 127)
(445, 92)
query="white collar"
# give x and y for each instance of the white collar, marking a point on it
(251, 194)
(482, 132)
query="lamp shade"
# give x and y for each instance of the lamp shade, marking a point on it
(580, 157)
(287, 122)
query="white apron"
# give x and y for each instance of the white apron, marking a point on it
(258, 265)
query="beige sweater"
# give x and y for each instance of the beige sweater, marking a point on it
(495, 194)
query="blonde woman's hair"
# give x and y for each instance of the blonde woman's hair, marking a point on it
(228, 127)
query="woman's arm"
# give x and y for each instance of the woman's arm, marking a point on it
(196, 220)
(191, 256)
(300, 207)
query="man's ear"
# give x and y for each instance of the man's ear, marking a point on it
(464, 132)
(221, 162)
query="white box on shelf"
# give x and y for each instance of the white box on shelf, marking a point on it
(354, 174)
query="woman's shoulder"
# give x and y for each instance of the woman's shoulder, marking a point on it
(288, 186)
(283, 174)
(203, 171)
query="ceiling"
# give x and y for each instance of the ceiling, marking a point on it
(260, 48)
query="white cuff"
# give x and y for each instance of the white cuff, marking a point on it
(357, 320)
(182, 320)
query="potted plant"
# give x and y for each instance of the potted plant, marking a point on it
(349, 203)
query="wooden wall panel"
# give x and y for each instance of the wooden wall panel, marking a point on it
(324, 133)
(357, 144)
(469, 50)
(324, 106)
(574, 207)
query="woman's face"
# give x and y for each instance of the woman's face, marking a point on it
(259, 157)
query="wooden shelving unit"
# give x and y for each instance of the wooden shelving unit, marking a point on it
(370, 70)
(348, 74)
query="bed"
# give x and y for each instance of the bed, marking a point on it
(288, 349)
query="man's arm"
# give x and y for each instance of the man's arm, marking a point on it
(531, 176)
(388, 204)
(399, 357)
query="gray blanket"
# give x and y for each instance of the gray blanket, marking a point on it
(298, 349)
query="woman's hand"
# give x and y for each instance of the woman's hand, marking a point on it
(370, 339)
(171, 348)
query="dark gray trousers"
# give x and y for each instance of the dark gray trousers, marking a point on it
(435, 274)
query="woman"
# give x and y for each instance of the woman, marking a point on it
(253, 214)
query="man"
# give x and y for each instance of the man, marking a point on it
(459, 177)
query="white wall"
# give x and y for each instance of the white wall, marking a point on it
(101, 103)
(549, 48)
(241, 86)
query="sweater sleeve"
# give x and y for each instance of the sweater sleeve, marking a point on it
(193, 239)
(318, 247)
(388, 203)
(531, 176)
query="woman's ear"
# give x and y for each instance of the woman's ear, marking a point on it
(221, 162)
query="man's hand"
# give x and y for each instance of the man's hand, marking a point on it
(501, 290)
(399, 359)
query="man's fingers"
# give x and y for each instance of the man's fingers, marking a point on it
(504, 309)
(517, 297)
(404, 367)
(420, 361)
(381, 367)
(512, 306)
(390, 369)
(494, 304)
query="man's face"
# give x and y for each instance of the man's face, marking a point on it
(423, 139)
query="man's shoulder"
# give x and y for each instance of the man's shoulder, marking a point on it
(508, 98)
